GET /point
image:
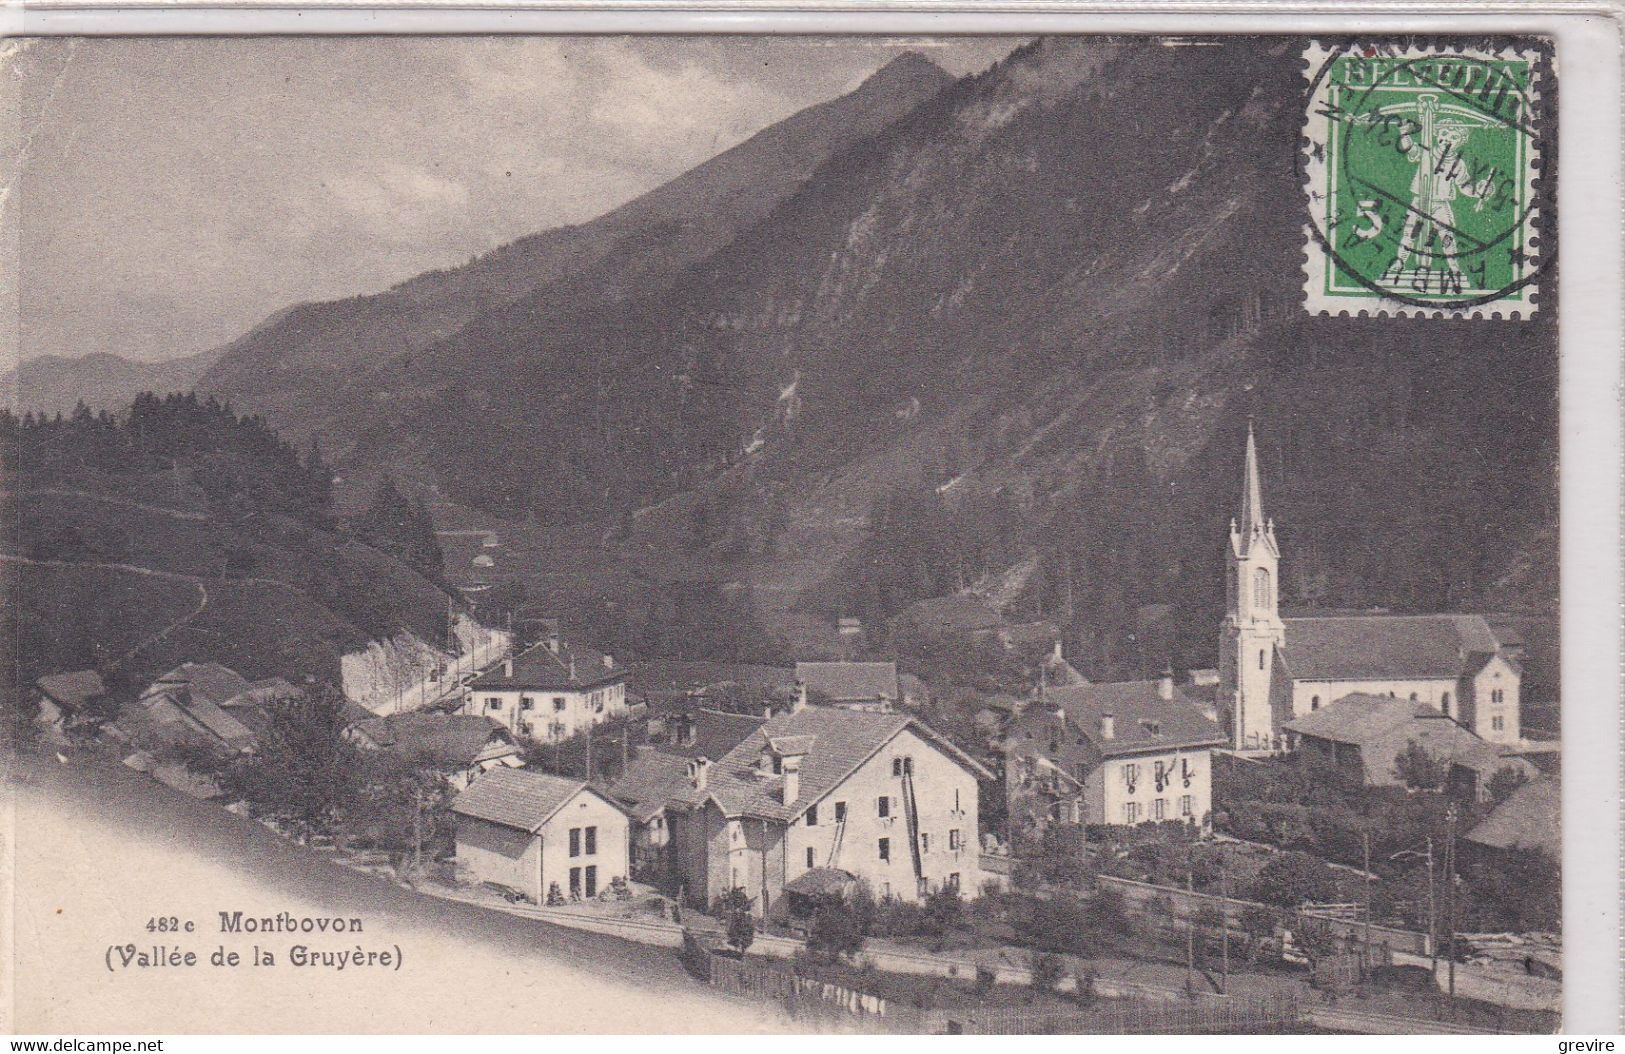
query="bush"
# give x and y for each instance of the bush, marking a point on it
(1290, 879)
(741, 928)
(1047, 970)
(837, 931)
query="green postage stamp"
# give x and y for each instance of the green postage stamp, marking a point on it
(1422, 168)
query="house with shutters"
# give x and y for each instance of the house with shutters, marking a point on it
(550, 691)
(1125, 753)
(536, 834)
(818, 799)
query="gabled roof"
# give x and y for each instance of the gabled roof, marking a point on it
(72, 690)
(454, 741)
(520, 798)
(842, 740)
(1141, 719)
(1528, 819)
(836, 741)
(572, 668)
(1382, 727)
(258, 693)
(208, 681)
(1385, 647)
(819, 881)
(847, 681)
(653, 780)
(716, 732)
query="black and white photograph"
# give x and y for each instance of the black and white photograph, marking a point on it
(577, 534)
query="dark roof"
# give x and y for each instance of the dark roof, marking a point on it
(1385, 647)
(652, 677)
(653, 779)
(270, 690)
(208, 681)
(1382, 727)
(717, 732)
(1141, 718)
(72, 690)
(846, 681)
(820, 880)
(521, 798)
(836, 741)
(454, 741)
(841, 741)
(572, 667)
(951, 614)
(1528, 819)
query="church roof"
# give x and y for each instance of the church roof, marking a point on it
(1388, 647)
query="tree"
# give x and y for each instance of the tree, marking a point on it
(1502, 785)
(1420, 770)
(1047, 970)
(735, 907)
(942, 911)
(402, 527)
(1289, 880)
(399, 802)
(837, 930)
(304, 770)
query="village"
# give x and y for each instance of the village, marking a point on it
(1349, 821)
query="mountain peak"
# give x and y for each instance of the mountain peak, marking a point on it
(909, 67)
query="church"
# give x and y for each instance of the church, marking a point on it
(1273, 669)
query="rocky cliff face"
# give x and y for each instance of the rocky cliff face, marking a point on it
(1055, 291)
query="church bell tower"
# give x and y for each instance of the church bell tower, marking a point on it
(1252, 631)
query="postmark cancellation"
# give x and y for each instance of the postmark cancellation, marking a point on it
(1422, 171)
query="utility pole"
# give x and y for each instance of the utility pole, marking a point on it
(1433, 911)
(1190, 939)
(1450, 898)
(1224, 926)
(1365, 849)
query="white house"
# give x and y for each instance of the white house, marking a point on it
(550, 691)
(538, 834)
(1123, 753)
(817, 799)
(1273, 669)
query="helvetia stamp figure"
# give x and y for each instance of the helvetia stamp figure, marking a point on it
(1421, 169)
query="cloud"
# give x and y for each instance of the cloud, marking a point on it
(237, 176)
(399, 199)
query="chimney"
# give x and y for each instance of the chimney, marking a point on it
(1108, 726)
(1057, 653)
(507, 666)
(792, 777)
(1165, 685)
(572, 667)
(609, 662)
(699, 770)
(801, 697)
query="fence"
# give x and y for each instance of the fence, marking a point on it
(1208, 1016)
(1187, 903)
(798, 994)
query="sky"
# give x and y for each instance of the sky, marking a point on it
(172, 193)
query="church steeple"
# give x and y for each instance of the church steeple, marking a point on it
(1253, 528)
(1252, 633)
(1252, 494)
